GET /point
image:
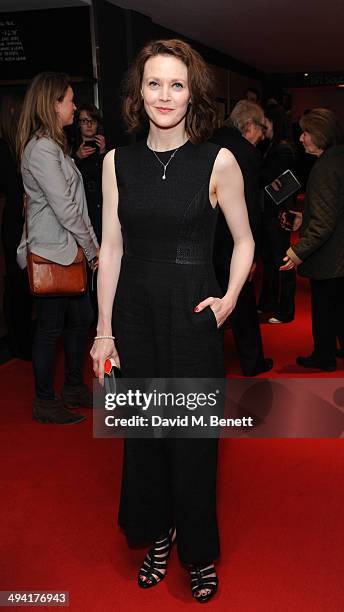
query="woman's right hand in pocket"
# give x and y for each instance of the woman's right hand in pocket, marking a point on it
(102, 350)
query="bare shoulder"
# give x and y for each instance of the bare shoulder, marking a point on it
(109, 180)
(109, 157)
(225, 161)
(109, 171)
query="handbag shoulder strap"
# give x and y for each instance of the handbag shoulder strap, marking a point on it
(25, 205)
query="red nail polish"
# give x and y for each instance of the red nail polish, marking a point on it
(196, 309)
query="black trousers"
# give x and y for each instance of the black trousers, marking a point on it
(278, 287)
(245, 325)
(169, 481)
(72, 317)
(18, 311)
(18, 300)
(327, 318)
(246, 330)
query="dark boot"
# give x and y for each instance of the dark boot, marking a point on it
(77, 396)
(54, 411)
(313, 363)
(265, 366)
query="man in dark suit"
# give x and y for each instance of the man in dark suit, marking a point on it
(240, 135)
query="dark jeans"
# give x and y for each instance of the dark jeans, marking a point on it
(71, 316)
(327, 318)
(278, 287)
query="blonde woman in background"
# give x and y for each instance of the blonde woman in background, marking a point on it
(57, 222)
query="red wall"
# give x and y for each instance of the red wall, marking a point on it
(328, 97)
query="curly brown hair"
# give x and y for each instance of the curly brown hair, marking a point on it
(201, 118)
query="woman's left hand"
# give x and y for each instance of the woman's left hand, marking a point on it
(100, 140)
(221, 307)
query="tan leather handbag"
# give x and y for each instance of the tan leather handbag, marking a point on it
(48, 278)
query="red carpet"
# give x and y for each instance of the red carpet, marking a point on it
(280, 509)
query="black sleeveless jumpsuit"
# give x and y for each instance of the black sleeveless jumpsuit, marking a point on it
(168, 230)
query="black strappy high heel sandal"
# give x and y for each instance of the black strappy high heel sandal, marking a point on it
(156, 561)
(203, 578)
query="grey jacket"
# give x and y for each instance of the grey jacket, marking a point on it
(57, 214)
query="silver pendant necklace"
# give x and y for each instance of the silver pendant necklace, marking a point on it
(165, 165)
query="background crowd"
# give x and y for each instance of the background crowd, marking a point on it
(265, 144)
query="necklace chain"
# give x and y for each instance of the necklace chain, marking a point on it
(167, 163)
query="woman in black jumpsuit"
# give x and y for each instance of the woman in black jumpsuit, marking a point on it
(160, 204)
